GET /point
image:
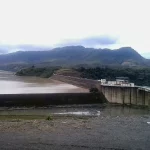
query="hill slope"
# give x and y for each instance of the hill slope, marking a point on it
(74, 55)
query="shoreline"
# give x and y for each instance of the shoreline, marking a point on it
(71, 133)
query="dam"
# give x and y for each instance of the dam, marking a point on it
(70, 90)
(35, 91)
(128, 95)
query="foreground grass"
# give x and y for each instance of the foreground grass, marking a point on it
(41, 117)
(22, 117)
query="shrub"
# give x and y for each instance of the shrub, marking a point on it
(94, 90)
(49, 118)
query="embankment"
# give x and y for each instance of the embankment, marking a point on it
(81, 82)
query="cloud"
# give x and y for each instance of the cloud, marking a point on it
(94, 41)
(47, 26)
(146, 55)
(102, 41)
(4, 49)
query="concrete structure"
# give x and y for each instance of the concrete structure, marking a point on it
(129, 95)
(103, 81)
(121, 81)
(46, 99)
(122, 94)
(126, 95)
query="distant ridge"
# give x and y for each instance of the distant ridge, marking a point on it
(75, 55)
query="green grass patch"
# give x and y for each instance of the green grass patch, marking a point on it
(22, 117)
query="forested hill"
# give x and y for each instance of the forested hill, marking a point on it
(137, 76)
(140, 76)
(75, 55)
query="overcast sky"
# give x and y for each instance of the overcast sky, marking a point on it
(91, 23)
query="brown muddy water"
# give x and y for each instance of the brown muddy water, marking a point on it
(11, 84)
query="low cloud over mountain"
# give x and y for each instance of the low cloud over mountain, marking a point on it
(102, 41)
(95, 41)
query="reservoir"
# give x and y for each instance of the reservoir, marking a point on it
(12, 84)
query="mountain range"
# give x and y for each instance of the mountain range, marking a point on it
(76, 55)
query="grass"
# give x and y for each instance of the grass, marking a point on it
(68, 72)
(22, 117)
(49, 117)
(39, 117)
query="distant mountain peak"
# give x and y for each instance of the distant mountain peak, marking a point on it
(75, 55)
(126, 47)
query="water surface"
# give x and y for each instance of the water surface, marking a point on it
(11, 84)
(93, 110)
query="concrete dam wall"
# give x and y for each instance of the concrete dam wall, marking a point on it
(113, 94)
(45, 99)
(126, 95)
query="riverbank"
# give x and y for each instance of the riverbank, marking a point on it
(72, 133)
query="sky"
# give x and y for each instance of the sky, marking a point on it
(91, 23)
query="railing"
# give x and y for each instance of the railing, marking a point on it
(117, 85)
(147, 89)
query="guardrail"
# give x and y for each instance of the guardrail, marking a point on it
(144, 88)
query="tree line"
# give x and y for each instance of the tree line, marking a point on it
(140, 76)
(44, 72)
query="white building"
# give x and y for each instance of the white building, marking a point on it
(120, 81)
